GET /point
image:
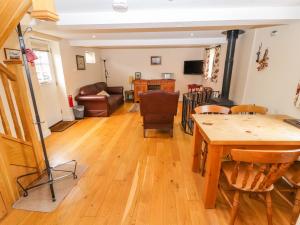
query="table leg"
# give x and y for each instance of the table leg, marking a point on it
(197, 149)
(211, 179)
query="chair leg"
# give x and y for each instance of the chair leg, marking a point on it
(171, 132)
(269, 207)
(204, 158)
(144, 132)
(235, 207)
(296, 209)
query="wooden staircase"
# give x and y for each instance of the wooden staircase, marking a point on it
(20, 148)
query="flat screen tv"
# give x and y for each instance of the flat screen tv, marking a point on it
(194, 67)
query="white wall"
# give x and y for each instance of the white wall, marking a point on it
(77, 78)
(275, 86)
(121, 63)
(12, 42)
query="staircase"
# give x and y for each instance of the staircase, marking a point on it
(20, 148)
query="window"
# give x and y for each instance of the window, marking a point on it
(42, 66)
(212, 53)
(90, 57)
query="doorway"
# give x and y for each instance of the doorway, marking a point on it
(47, 80)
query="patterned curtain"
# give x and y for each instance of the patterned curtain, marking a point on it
(216, 65)
(206, 63)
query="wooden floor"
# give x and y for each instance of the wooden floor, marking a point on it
(131, 180)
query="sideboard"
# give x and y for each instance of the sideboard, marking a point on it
(141, 86)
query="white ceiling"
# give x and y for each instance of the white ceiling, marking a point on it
(163, 22)
(68, 6)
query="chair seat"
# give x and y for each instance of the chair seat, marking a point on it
(293, 174)
(228, 168)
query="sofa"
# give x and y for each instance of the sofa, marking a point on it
(158, 109)
(99, 105)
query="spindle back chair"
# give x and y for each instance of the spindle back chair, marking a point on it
(256, 171)
(249, 109)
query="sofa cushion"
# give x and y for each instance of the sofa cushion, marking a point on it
(103, 93)
(115, 99)
(88, 90)
(101, 86)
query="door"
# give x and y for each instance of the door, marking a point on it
(48, 85)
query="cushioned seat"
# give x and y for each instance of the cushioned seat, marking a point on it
(100, 105)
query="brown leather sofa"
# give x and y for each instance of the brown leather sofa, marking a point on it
(158, 109)
(96, 105)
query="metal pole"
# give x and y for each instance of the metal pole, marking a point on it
(38, 120)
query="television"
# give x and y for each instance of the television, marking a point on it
(194, 67)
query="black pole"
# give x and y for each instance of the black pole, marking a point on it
(105, 71)
(36, 112)
(232, 35)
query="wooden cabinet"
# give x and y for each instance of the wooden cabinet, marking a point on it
(141, 86)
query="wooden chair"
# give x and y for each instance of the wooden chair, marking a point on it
(208, 109)
(248, 109)
(211, 109)
(255, 171)
(292, 177)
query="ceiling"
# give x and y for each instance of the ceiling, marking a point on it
(94, 23)
(67, 6)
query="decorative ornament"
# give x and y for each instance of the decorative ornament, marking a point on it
(297, 96)
(262, 63)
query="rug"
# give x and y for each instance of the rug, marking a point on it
(39, 199)
(62, 125)
(134, 108)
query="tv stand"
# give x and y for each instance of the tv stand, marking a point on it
(141, 86)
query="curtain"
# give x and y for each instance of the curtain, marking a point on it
(216, 65)
(206, 63)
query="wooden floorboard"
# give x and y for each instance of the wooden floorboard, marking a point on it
(135, 181)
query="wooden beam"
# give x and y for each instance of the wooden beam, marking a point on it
(11, 13)
(44, 10)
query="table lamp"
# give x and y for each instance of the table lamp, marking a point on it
(130, 81)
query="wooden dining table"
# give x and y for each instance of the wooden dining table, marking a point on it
(225, 132)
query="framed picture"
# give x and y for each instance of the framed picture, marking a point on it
(138, 75)
(80, 62)
(155, 60)
(12, 54)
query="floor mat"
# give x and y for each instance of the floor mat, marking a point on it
(39, 199)
(134, 108)
(62, 125)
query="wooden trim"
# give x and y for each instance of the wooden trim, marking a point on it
(5, 123)
(11, 106)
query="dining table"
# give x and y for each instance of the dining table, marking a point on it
(225, 132)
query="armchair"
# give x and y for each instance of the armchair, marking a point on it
(158, 109)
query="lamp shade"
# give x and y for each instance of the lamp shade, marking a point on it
(130, 79)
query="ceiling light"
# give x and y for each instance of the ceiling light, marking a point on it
(192, 34)
(120, 5)
(94, 36)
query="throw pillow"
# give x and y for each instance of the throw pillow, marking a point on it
(103, 93)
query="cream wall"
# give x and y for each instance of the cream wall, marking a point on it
(12, 42)
(122, 63)
(275, 86)
(74, 79)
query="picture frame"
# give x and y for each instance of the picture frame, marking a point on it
(80, 61)
(155, 60)
(137, 75)
(12, 54)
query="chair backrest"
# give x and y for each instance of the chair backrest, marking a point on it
(272, 166)
(159, 102)
(248, 109)
(211, 109)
